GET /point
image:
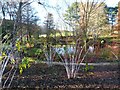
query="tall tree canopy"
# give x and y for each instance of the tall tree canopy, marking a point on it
(89, 16)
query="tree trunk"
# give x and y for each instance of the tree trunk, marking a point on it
(0, 79)
(85, 43)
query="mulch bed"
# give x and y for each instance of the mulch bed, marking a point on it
(54, 77)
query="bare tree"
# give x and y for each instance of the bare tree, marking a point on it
(87, 23)
(92, 18)
(29, 18)
(49, 25)
(10, 52)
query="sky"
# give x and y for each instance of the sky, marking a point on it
(61, 5)
(112, 2)
(42, 11)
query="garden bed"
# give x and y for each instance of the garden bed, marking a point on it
(41, 76)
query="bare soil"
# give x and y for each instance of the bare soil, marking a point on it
(43, 77)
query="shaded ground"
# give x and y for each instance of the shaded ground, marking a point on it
(42, 76)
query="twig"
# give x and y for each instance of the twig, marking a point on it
(12, 78)
(8, 76)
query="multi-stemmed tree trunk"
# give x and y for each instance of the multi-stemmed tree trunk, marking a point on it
(83, 14)
(10, 52)
(72, 57)
(49, 25)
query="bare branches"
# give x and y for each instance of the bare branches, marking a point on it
(11, 52)
(87, 10)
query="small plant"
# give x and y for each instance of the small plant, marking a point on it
(88, 67)
(38, 52)
(25, 64)
(2, 56)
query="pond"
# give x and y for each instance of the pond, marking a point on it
(70, 49)
(62, 50)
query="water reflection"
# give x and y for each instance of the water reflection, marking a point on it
(65, 49)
